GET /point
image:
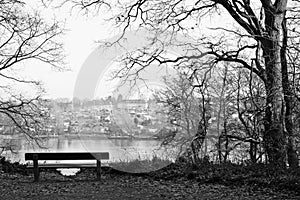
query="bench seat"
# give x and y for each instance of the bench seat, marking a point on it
(64, 165)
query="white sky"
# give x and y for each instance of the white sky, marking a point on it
(79, 40)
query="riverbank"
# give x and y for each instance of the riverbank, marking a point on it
(172, 182)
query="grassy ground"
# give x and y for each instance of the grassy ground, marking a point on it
(84, 186)
(177, 181)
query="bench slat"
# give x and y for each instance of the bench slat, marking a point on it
(64, 165)
(68, 156)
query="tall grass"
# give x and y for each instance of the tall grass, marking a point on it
(141, 165)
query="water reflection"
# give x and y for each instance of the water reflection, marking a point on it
(119, 149)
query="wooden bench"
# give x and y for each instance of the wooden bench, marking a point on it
(35, 157)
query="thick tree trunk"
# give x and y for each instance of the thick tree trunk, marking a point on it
(275, 138)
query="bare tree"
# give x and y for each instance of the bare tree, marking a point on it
(187, 102)
(25, 37)
(261, 37)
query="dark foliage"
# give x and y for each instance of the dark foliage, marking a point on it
(7, 167)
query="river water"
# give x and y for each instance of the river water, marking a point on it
(119, 149)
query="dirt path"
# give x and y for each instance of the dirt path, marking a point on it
(54, 186)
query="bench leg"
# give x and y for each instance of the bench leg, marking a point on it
(98, 170)
(36, 170)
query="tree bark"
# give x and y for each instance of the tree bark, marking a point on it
(289, 99)
(221, 107)
(275, 138)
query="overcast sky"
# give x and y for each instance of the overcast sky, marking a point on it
(80, 41)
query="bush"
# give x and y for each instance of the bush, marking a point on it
(8, 167)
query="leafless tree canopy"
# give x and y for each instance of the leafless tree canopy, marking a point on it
(262, 37)
(25, 37)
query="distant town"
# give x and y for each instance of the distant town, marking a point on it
(114, 118)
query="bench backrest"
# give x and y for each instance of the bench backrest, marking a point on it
(67, 156)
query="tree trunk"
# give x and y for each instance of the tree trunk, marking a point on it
(253, 152)
(226, 145)
(274, 137)
(221, 106)
(289, 99)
